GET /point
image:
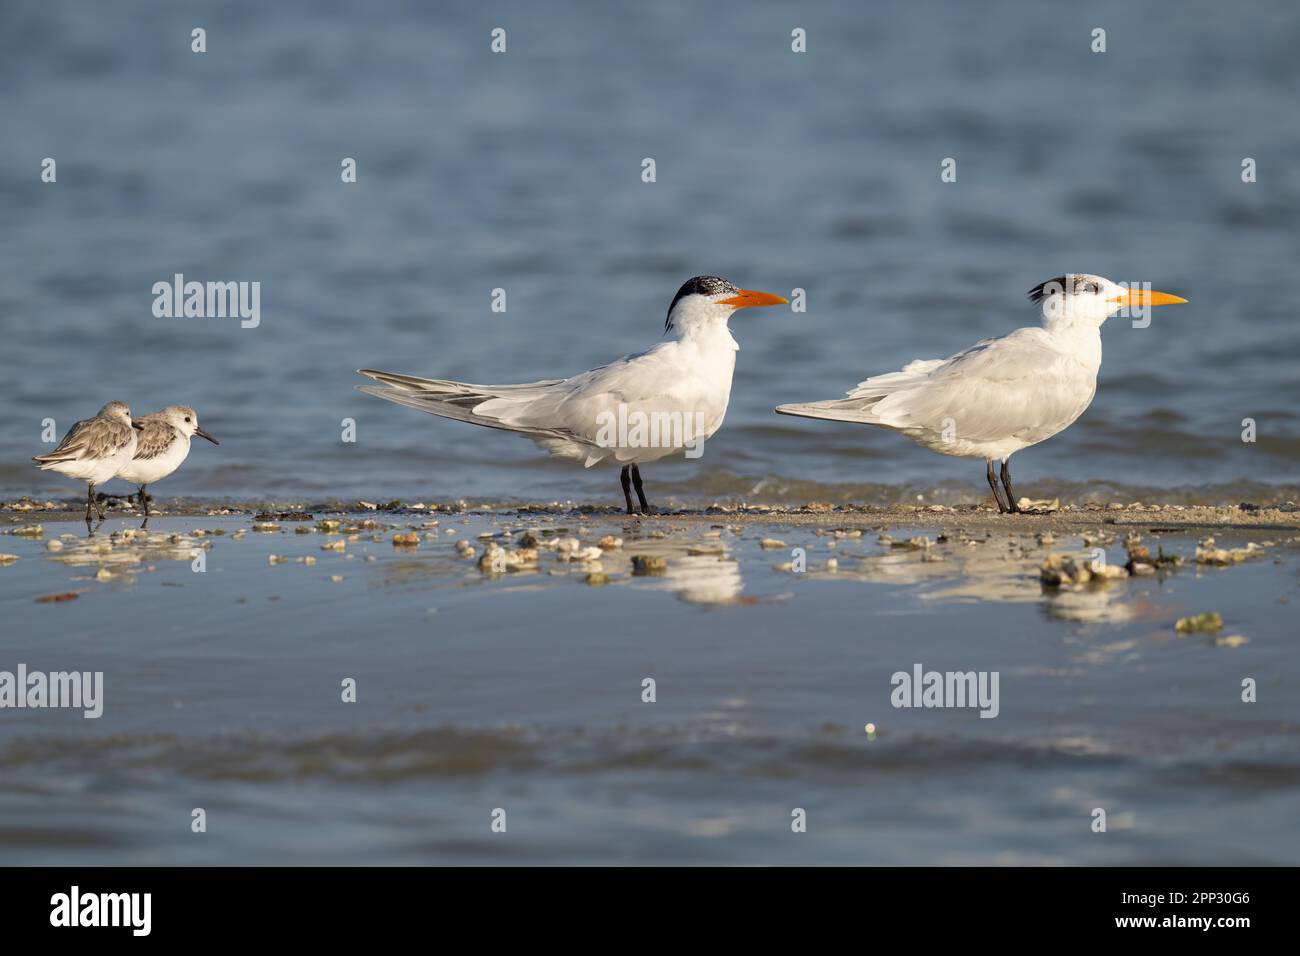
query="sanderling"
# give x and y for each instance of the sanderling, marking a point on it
(163, 443)
(94, 450)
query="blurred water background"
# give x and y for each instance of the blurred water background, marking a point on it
(522, 170)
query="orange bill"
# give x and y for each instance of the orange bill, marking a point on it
(1144, 297)
(747, 298)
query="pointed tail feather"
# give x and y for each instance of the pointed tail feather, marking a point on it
(836, 410)
(456, 400)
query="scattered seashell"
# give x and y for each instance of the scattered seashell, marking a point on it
(1206, 622)
(57, 598)
(647, 564)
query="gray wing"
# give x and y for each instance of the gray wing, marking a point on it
(92, 438)
(1013, 386)
(154, 438)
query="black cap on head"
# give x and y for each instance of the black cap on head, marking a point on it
(1050, 287)
(1076, 283)
(700, 285)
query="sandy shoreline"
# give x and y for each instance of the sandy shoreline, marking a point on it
(1069, 518)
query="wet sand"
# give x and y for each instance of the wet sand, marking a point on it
(1065, 517)
(500, 657)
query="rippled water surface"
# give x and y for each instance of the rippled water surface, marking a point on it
(524, 691)
(522, 171)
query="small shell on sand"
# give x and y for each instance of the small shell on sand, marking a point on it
(1203, 623)
(648, 564)
(771, 544)
(1063, 571)
(411, 540)
(1207, 553)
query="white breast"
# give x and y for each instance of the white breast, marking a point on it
(144, 471)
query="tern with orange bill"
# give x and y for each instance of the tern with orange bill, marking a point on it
(666, 400)
(1003, 394)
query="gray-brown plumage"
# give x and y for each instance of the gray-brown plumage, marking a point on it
(162, 446)
(94, 450)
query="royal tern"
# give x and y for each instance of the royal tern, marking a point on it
(669, 398)
(161, 446)
(1003, 394)
(94, 450)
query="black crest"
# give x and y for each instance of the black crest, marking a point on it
(1073, 284)
(700, 285)
(1051, 287)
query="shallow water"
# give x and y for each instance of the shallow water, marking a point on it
(522, 171)
(523, 691)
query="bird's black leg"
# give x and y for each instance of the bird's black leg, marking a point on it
(90, 502)
(640, 491)
(993, 484)
(1006, 483)
(626, 480)
(144, 506)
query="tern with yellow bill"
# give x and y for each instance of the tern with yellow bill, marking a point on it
(668, 399)
(1003, 394)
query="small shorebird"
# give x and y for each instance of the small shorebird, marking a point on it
(94, 450)
(163, 444)
(639, 408)
(1000, 395)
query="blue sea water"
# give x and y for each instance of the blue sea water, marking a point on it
(522, 171)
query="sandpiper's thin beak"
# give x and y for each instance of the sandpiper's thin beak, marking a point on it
(747, 299)
(202, 434)
(137, 426)
(1143, 297)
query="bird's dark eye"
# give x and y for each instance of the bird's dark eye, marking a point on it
(187, 418)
